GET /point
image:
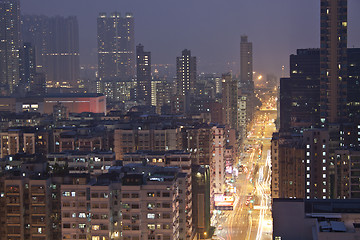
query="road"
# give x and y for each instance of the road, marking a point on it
(251, 217)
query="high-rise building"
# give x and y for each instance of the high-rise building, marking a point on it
(353, 83)
(217, 164)
(116, 46)
(27, 66)
(56, 40)
(300, 94)
(160, 94)
(9, 45)
(229, 100)
(143, 74)
(242, 122)
(288, 166)
(246, 64)
(185, 81)
(333, 61)
(186, 73)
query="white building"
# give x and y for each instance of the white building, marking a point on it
(217, 165)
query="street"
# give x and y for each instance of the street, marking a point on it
(251, 217)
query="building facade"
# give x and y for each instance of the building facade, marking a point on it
(246, 64)
(185, 80)
(56, 41)
(9, 45)
(143, 75)
(333, 61)
(116, 46)
(229, 101)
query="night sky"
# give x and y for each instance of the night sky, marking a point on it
(211, 29)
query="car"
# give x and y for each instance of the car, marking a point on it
(220, 227)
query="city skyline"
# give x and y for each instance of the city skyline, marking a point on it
(290, 29)
(178, 127)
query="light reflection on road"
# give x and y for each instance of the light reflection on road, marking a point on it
(252, 220)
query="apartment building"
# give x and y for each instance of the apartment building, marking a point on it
(81, 162)
(85, 211)
(83, 139)
(132, 202)
(26, 208)
(288, 166)
(179, 159)
(217, 165)
(196, 140)
(23, 139)
(131, 140)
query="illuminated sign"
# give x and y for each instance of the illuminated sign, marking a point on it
(223, 202)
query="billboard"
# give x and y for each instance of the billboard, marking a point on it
(224, 202)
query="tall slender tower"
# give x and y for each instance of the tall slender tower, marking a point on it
(27, 68)
(9, 45)
(246, 64)
(116, 46)
(229, 100)
(185, 82)
(143, 74)
(186, 73)
(333, 61)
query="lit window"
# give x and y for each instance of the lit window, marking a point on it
(66, 194)
(151, 226)
(324, 175)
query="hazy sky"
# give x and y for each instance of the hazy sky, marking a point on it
(211, 29)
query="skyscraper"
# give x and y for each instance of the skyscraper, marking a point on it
(229, 100)
(246, 64)
(27, 66)
(185, 81)
(300, 94)
(333, 61)
(9, 45)
(116, 46)
(185, 73)
(353, 84)
(143, 74)
(56, 40)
